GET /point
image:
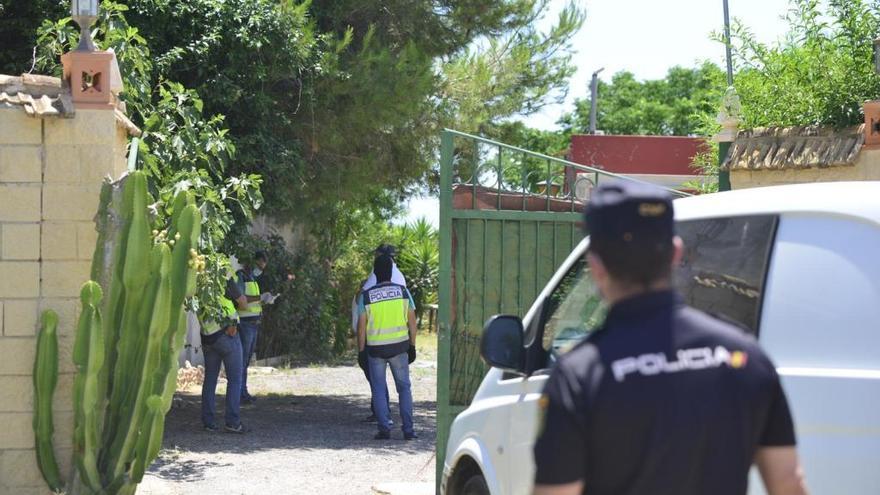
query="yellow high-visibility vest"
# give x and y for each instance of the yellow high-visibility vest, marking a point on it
(230, 314)
(254, 308)
(387, 310)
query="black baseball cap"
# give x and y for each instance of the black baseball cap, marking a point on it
(625, 212)
(385, 249)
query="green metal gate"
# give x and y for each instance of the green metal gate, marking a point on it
(499, 245)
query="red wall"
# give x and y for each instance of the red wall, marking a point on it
(670, 155)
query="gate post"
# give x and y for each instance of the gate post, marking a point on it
(444, 316)
(729, 118)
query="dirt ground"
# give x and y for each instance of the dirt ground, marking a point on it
(307, 436)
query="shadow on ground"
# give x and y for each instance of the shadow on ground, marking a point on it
(298, 439)
(169, 467)
(299, 422)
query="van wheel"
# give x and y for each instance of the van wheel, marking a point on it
(475, 485)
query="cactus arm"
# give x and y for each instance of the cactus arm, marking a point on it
(131, 337)
(177, 206)
(184, 260)
(195, 235)
(158, 326)
(188, 228)
(137, 253)
(89, 359)
(113, 305)
(150, 441)
(170, 365)
(157, 430)
(45, 379)
(102, 247)
(80, 362)
(109, 223)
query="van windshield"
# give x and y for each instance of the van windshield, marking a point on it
(572, 311)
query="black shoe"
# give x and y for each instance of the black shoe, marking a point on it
(212, 428)
(236, 429)
(382, 435)
(369, 419)
(410, 436)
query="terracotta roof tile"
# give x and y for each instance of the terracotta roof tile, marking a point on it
(39, 96)
(777, 148)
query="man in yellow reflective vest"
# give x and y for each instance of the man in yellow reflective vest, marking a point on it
(221, 344)
(387, 331)
(251, 315)
(397, 278)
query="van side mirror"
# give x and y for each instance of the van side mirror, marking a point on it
(502, 343)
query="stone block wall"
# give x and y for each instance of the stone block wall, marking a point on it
(51, 170)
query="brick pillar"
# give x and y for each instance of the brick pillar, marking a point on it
(51, 170)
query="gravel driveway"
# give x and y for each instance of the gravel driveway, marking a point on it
(307, 438)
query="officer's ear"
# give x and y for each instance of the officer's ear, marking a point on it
(677, 251)
(600, 275)
(597, 268)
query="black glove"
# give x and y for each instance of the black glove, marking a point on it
(411, 352)
(362, 359)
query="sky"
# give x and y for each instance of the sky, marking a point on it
(645, 37)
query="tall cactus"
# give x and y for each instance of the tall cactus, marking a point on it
(126, 344)
(45, 379)
(88, 356)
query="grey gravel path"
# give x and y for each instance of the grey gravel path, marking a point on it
(307, 438)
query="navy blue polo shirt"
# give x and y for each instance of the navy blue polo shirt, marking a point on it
(663, 399)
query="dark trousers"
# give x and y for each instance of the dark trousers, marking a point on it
(227, 350)
(399, 365)
(247, 332)
(362, 362)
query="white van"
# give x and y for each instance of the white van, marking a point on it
(798, 266)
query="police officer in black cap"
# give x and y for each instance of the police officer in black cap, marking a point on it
(663, 399)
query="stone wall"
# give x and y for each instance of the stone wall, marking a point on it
(51, 171)
(294, 235)
(866, 167)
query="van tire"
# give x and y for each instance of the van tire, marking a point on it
(475, 485)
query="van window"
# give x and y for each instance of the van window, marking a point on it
(724, 265)
(823, 294)
(572, 311)
(722, 273)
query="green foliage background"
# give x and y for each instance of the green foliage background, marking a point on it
(820, 73)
